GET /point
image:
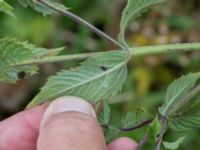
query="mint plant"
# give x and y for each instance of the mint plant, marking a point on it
(102, 75)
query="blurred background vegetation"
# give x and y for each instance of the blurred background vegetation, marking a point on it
(175, 21)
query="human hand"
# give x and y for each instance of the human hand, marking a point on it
(68, 123)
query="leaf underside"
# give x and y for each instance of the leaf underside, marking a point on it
(188, 120)
(129, 120)
(99, 77)
(185, 123)
(13, 52)
(37, 6)
(133, 9)
(104, 115)
(176, 92)
(173, 145)
(111, 133)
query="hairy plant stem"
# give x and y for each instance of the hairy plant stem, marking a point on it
(82, 22)
(164, 122)
(57, 58)
(142, 142)
(137, 51)
(166, 48)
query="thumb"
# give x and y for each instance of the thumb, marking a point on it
(70, 123)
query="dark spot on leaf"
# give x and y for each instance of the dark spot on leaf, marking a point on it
(103, 68)
(21, 75)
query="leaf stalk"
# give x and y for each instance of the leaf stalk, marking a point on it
(82, 22)
(164, 122)
(137, 51)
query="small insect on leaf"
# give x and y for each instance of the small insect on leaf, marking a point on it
(21, 75)
(103, 68)
(15, 56)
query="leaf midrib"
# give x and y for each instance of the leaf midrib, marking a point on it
(171, 102)
(91, 79)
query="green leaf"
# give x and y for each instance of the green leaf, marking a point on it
(129, 120)
(187, 120)
(111, 133)
(142, 114)
(177, 93)
(133, 9)
(39, 7)
(174, 145)
(6, 8)
(12, 52)
(154, 128)
(104, 116)
(99, 77)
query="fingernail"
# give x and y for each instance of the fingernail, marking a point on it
(68, 103)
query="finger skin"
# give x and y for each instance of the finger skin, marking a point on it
(20, 131)
(73, 131)
(123, 143)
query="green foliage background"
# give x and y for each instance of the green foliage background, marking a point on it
(172, 22)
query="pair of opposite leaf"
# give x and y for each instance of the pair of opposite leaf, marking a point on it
(99, 77)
